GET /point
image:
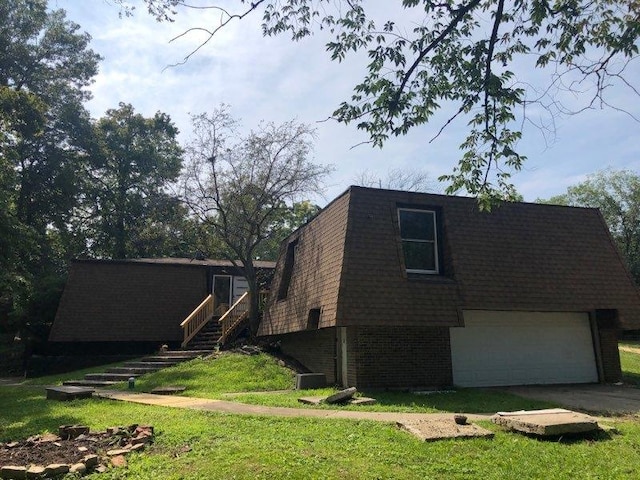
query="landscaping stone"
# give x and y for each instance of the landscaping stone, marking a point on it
(548, 422)
(79, 468)
(67, 432)
(10, 472)
(56, 469)
(35, 471)
(429, 430)
(119, 461)
(90, 461)
(116, 452)
(308, 381)
(341, 396)
(41, 448)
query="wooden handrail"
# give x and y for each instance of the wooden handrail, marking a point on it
(197, 319)
(238, 312)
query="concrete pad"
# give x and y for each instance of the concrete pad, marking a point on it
(607, 399)
(351, 401)
(430, 430)
(68, 393)
(548, 422)
(307, 381)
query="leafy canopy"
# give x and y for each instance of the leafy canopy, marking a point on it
(462, 54)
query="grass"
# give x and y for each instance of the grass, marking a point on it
(206, 445)
(202, 445)
(630, 363)
(209, 378)
(75, 375)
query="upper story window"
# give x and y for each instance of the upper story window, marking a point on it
(419, 240)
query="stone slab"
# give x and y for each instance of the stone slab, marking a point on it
(351, 401)
(430, 430)
(307, 381)
(68, 393)
(342, 395)
(168, 390)
(547, 423)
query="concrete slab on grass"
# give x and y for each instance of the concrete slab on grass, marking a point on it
(548, 422)
(352, 401)
(68, 393)
(430, 430)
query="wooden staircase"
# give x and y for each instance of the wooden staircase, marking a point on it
(204, 329)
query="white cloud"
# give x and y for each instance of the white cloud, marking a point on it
(276, 79)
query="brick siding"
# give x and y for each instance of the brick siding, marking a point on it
(316, 350)
(410, 357)
(610, 355)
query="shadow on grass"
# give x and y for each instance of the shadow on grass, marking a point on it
(631, 378)
(25, 412)
(469, 400)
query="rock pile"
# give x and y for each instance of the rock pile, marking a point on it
(73, 450)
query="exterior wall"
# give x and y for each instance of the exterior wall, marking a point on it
(375, 288)
(315, 274)
(610, 356)
(316, 350)
(410, 357)
(127, 302)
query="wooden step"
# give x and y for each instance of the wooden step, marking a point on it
(110, 377)
(141, 364)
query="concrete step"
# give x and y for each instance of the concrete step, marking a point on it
(88, 383)
(150, 364)
(136, 370)
(110, 377)
(172, 358)
(182, 353)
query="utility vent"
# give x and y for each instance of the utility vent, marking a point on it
(314, 319)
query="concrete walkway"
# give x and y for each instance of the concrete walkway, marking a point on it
(223, 406)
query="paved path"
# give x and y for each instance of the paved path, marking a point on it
(224, 406)
(612, 399)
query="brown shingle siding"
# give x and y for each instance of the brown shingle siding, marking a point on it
(315, 276)
(104, 302)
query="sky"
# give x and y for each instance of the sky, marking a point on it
(275, 79)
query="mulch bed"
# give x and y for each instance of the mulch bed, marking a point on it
(73, 445)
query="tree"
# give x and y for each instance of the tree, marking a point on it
(45, 66)
(241, 186)
(411, 180)
(464, 54)
(617, 195)
(125, 210)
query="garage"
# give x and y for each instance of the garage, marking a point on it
(519, 348)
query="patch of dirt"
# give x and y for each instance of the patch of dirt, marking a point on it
(49, 448)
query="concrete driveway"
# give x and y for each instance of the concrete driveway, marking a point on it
(611, 399)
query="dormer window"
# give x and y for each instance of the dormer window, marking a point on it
(419, 240)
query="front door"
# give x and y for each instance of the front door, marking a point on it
(222, 293)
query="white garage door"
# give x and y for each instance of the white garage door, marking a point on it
(518, 348)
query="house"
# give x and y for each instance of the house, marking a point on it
(391, 289)
(133, 304)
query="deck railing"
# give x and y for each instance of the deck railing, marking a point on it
(238, 312)
(197, 319)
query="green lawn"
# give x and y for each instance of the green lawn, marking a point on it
(205, 445)
(200, 445)
(630, 363)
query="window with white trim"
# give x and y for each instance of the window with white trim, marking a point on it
(419, 240)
